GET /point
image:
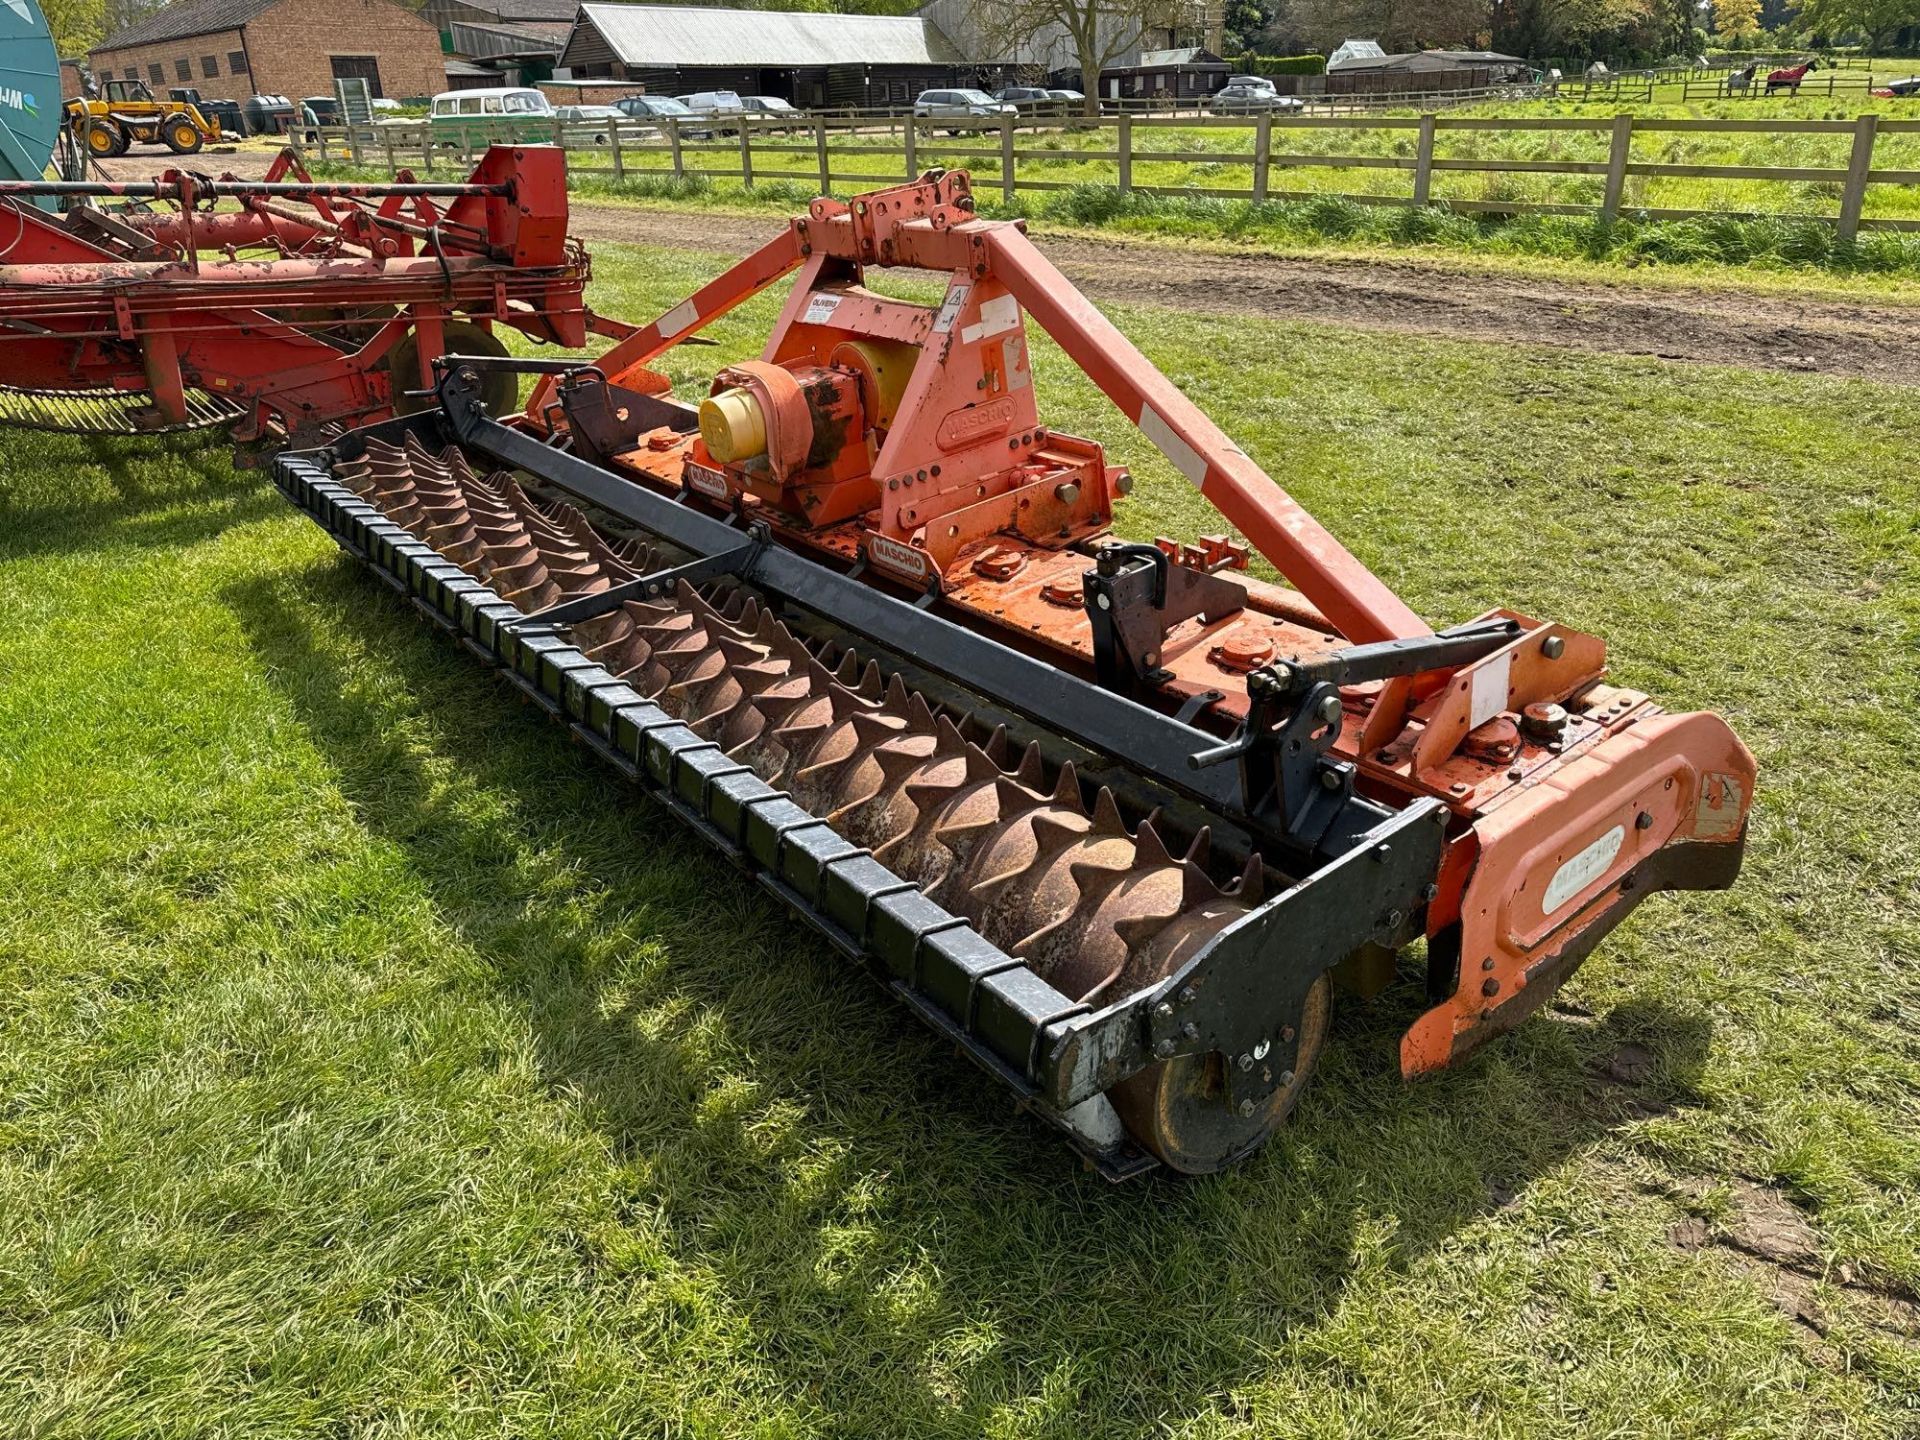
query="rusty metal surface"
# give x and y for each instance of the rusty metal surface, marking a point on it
(1046, 868)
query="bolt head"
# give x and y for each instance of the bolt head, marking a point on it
(1286, 1078)
(1246, 1062)
(1553, 647)
(1190, 1030)
(1188, 995)
(1329, 779)
(1643, 821)
(1246, 1109)
(1102, 601)
(1163, 1048)
(1329, 710)
(1260, 1050)
(1163, 1010)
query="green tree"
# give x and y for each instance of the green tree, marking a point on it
(1736, 19)
(1875, 21)
(78, 25)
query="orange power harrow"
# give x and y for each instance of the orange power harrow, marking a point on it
(1114, 817)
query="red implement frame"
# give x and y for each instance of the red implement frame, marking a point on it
(1560, 826)
(301, 339)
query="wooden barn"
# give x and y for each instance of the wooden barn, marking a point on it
(809, 58)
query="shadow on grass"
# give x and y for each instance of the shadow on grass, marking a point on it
(902, 1252)
(65, 494)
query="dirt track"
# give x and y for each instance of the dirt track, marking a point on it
(1772, 331)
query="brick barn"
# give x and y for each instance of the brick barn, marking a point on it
(230, 49)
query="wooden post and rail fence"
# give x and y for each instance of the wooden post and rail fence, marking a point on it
(841, 153)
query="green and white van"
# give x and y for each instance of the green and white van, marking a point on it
(476, 117)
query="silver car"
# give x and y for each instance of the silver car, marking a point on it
(961, 106)
(1249, 97)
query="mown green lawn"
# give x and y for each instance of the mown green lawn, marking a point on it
(371, 1064)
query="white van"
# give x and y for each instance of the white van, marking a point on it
(494, 113)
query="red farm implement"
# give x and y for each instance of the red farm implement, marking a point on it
(1113, 817)
(285, 308)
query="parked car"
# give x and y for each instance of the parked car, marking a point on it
(1028, 100)
(592, 123)
(1908, 89)
(717, 106)
(477, 116)
(652, 107)
(960, 105)
(1072, 101)
(769, 108)
(1250, 97)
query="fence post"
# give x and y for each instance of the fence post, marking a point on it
(913, 167)
(820, 149)
(353, 146)
(1123, 145)
(1423, 161)
(673, 134)
(1006, 158)
(746, 156)
(1617, 167)
(619, 159)
(560, 135)
(320, 134)
(1262, 154)
(1859, 164)
(426, 148)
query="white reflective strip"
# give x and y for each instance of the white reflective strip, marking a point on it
(1583, 869)
(681, 317)
(1187, 460)
(1490, 685)
(996, 315)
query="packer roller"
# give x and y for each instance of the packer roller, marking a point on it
(1116, 818)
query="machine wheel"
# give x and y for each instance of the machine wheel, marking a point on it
(500, 389)
(106, 139)
(1179, 1108)
(183, 137)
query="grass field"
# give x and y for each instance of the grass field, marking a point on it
(371, 1065)
(1751, 222)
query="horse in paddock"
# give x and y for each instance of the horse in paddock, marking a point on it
(1790, 78)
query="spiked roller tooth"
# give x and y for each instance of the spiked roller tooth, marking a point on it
(873, 685)
(896, 698)
(1066, 790)
(1251, 888)
(1032, 770)
(1106, 814)
(1151, 851)
(873, 727)
(846, 669)
(742, 653)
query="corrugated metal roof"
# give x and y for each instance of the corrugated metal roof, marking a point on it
(662, 36)
(184, 19)
(555, 10)
(497, 42)
(1186, 55)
